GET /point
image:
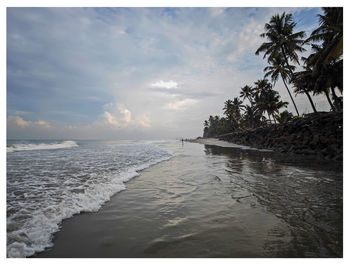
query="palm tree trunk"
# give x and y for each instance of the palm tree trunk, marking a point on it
(269, 119)
(291, 97)
(293, 76)
(310, 99)
(329, 101)
(250, 101)
(336, 99)
(288, 66)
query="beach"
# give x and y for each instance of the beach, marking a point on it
(214, 201)
(174, 132)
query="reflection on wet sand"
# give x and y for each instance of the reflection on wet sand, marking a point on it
(307, 196)
(211, 201)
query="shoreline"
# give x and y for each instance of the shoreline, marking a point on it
(269, 153)
(316, 135)
(212, 201)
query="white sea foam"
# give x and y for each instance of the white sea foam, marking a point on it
(43, 200)
(41, 146)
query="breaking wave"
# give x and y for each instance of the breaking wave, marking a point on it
(42, 146)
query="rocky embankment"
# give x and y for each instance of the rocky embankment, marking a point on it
(319, 134)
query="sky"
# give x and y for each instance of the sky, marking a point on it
(133, 73)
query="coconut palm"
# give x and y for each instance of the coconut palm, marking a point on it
(283, 43)
(330, 34)
(237, 107)
(326, 61)
(232, 111)
(229, 111)
(266, 99)
(330, 76)
(284, 117)
(246, 93)
(277, 69)
(261, 86)
(252, 116)
(270, 102)
(303, 82)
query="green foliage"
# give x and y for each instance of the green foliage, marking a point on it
(263, 99)
(284, 117)
(325, 65)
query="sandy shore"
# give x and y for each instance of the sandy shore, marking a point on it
(211, 201)
(225, 144)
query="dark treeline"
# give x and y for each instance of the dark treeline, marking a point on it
(321, 74)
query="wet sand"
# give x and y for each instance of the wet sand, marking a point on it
(211, 201)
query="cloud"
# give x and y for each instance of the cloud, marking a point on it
(18, 121)
(43, 123)
(120, 117)
(248, 41)
(163, 69)
(144, 121)
(111, 119)
(126, 115)
(164, 84)
(181, 105)
(216, 11)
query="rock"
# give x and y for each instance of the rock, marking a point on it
(319, 134)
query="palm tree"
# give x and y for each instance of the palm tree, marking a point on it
(229, 112)
(284, 117)
(206, 128)
(320, 85)
(330, 33)
(283, 43)
(252, 116)
(237, 106)
(282, 40)
(277, 69)
(329, 77)
(326, 61)
(228, 109)
(246, 93)
(266, 99)
(261, 86)
(232, 111)
(271, 103)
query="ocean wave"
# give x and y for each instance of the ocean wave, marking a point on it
(36, 233)
(42, 146)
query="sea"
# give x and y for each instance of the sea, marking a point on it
(51, 180)
(168, 198)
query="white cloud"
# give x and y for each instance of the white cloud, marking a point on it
(42, 123)
(111, 119)
(18, 121)
(248, 41)
(144, 121)
(21, 122)
(126, 115)
(216, 11)
(120, 117)
(166, 85)
(181, 105)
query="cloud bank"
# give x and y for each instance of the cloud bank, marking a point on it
(132, 72)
